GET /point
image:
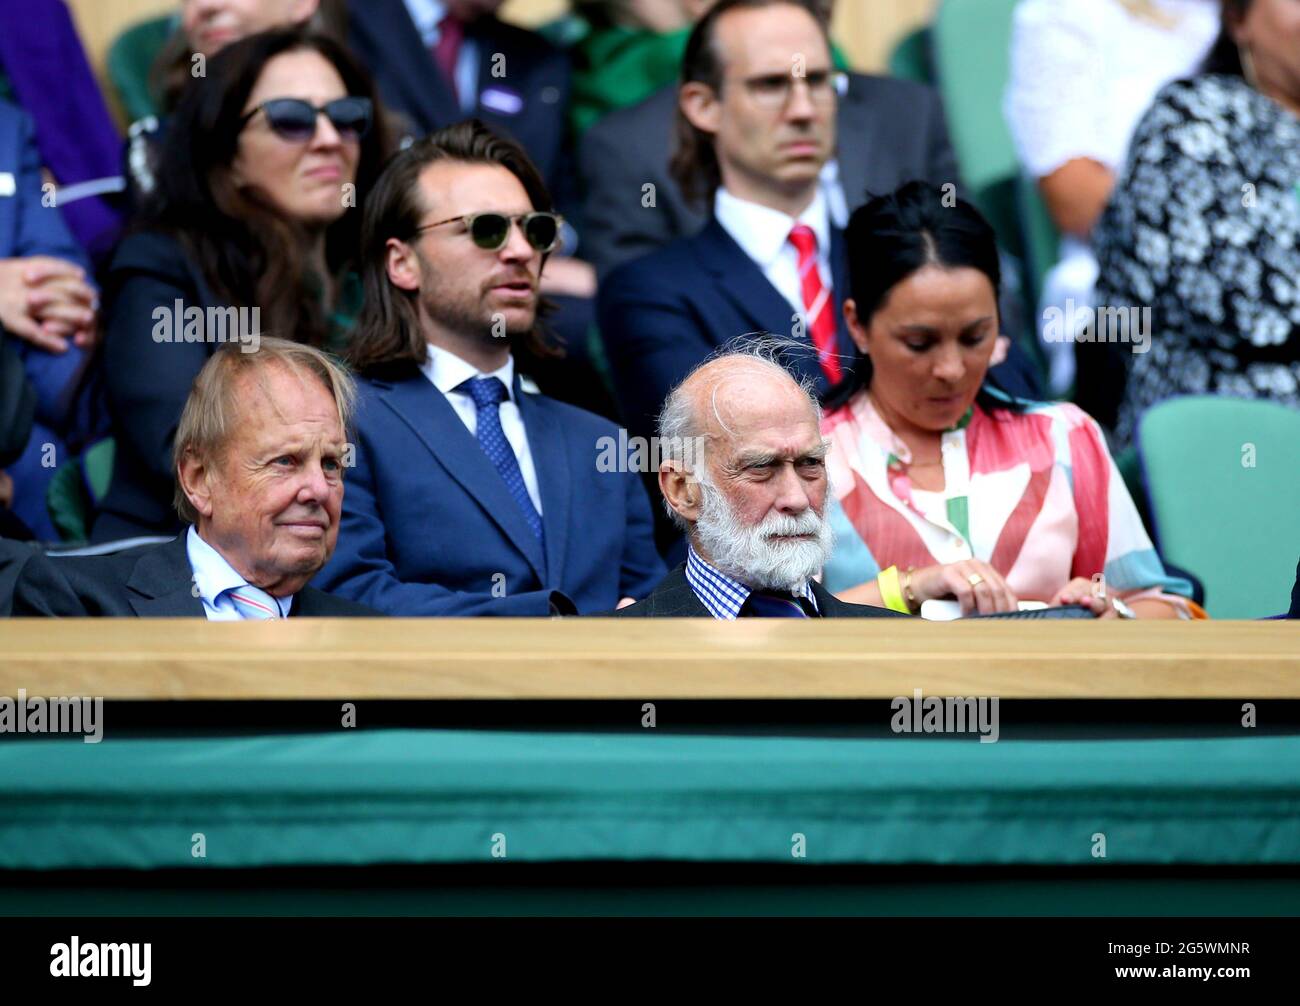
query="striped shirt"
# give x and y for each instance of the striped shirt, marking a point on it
(723, 596)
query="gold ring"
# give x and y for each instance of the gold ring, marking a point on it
(974, 579)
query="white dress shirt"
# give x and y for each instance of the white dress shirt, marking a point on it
(427, 15)
(764, 235)
(213, 576)
(446, 370)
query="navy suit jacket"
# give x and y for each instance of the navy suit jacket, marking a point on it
(536, 78)
(429, 527)
(661, 315)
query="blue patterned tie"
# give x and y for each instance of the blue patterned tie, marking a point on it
(488, 393)
(773, 604)
(252, 602)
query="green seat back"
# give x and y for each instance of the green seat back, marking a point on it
(972, 43)
(129, 60)
(76, 488)
(910, 58)
(1223, 475)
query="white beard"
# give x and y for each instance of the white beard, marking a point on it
(751, 555)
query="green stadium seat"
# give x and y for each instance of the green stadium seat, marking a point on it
(1223, 477)
(130, 59)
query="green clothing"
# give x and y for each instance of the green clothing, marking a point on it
(616, 67)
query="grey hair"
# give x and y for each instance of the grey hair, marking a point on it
(678, 425)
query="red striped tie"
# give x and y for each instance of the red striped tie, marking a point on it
(819, 305)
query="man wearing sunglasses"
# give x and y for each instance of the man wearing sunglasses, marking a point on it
(468, 494)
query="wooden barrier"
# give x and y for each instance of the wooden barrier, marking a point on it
(605, 658)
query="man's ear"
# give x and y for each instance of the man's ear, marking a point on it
(194, 475)
(699, 103)
(681, 489)
(402, 265)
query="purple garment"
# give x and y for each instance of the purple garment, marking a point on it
(41, 54)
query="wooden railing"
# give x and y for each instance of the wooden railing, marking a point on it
(605, 658)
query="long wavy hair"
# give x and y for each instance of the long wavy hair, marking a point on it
(248, 251)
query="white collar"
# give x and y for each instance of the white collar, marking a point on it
(448, 371)
(763, 232)
(213, 575)
(427, 14)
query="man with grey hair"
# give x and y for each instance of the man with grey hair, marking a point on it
(259, 471)
(751, 501)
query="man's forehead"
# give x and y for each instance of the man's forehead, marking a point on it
(453, 186)
(772, 40)
(268, 400)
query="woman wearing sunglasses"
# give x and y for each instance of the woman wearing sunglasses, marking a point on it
(251, 231)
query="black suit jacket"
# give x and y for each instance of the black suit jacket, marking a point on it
(523, 80)
(888, 132)
(1295, 595)
(674, 598)
(150, 582)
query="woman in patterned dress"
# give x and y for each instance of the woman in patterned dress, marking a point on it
(944, 487)
(1204, 228)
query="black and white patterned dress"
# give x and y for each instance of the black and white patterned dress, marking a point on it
(1204, 227)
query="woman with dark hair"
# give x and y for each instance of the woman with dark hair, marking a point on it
(1204, 229)
(936, 472)
(252, 231)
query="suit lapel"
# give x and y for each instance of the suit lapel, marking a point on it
(551, 462)
(406, 64)
(163, 583)
(674, 598)
(431, 418)
(742, 282)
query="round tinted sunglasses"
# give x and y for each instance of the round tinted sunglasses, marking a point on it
(490, 231)
(294, 120)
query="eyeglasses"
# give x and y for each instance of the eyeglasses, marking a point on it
(774, 90)
(491, 231)
(294, 120)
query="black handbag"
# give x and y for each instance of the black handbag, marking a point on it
(17, 403)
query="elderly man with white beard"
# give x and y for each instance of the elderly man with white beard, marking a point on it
(751, 500)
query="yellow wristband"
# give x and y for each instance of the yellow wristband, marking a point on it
(890, 591)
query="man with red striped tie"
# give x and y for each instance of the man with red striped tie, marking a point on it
(260, 456)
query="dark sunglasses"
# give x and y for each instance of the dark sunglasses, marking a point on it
(294, 120)
(490, 231)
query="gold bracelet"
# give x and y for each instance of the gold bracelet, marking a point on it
(913, 605)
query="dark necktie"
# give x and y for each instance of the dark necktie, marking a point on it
(446, 51)
(488, 393)
(774, 604)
